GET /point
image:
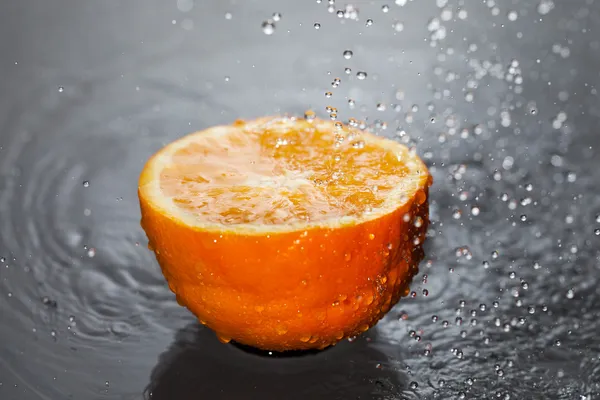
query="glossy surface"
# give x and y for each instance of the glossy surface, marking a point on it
(509, 304)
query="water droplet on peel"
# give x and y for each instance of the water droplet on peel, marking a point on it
(369, 22)
(317, 25)
(361, 75)
(281, 329)
(86, 184)
(305, 338)
(276, 16)
(348, 54)
(61, 89)
(223, 338)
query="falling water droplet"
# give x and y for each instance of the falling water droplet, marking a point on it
(268, 27)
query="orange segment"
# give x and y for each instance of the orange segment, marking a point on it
(282, 233)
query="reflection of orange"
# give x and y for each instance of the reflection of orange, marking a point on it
(283, 233)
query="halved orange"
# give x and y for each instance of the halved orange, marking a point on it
(286, 233)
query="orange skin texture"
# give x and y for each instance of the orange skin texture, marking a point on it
(296, 290)
(293, 290)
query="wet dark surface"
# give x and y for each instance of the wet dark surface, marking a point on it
(500, 100)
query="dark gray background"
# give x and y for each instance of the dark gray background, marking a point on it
(90, 89)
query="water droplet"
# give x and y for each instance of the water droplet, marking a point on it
(385, 8)
(86, 184)
(369, 22)
(398, 26)
(61, 89)
(268, 27)
(309, 115)
(281, 329)
(348, 54)
(223, 338)
(570, 294)
(305, 338)
(228, 15)
(49, 302)
(276, 16)
(185, 5)
(414, 385)
(317, 25)
(545, 6)
(361, 75)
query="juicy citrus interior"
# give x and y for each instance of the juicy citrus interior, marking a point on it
(283, 233)
(274, 175)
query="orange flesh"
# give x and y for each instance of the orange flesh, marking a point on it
(276, 176)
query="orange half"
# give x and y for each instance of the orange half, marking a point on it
(284, 233)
